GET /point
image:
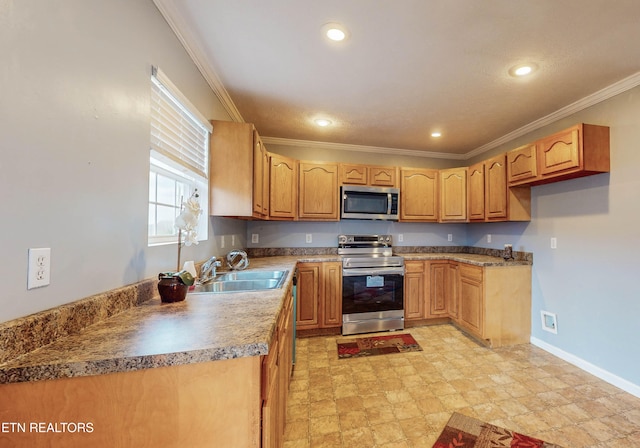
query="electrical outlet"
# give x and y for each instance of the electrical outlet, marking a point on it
(39, 271)
(233, 241)
(400, 237)
(554, 243)
(255, 238)
(489, 238)
(308, 238)
(450, 237)
(222, 242)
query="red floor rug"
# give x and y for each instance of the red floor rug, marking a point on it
(465, 432)
(377, 345)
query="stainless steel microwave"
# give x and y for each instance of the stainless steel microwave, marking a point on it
(369, 202)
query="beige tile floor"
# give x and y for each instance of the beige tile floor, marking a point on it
(405, 399)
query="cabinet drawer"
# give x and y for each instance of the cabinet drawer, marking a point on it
(470, 272)
(413, 266)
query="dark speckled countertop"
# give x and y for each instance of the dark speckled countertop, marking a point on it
(204, 327)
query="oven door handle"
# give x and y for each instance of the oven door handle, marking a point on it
(360, 272)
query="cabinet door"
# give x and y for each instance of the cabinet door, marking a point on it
(380, 176)
(283, 192)
(351, 174)
(319, 192)
(308, 292)
(453, 195)
(454, 295)
(414, 290)
(496, 188)
(419, 195)
(270, 393)
(522, 165)
(331, 294)
(559, 152)
(471, 299)
(476, 192)
(439, 278)
(231, 169)
(260, 177)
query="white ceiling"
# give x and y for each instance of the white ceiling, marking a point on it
(409, 67)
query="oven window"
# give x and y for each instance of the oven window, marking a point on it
(371, 293)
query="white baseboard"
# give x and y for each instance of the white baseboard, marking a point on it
(604, 375)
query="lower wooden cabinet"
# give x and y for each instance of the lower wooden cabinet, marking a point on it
(430, 289)
(276, 373)
(308, 292)
(415, 278)
(439, 289)
(331, 295)
(495, 303)
(492, 303)
(471, 299)
(319, 293)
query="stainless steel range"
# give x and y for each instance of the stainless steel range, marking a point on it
(372, 284)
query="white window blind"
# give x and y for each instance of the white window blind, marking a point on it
(178, 131)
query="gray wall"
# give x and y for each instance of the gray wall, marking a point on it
(74, 142)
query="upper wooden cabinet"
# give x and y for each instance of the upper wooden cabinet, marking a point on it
(475, 193)
(352, 174)
(522, 165)
(283, 191)
(489, 197)
(453, 195)
(383, 176)
(238, 171)
(495, 188)
(418, 195)
(260, 177)
(319, 192)
(581, 150)
(377, 176)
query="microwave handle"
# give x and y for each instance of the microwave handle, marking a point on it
(389, 201)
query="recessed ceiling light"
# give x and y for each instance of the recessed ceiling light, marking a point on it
(522, 70)
(322, 122)
(436, 134)
(334, 32)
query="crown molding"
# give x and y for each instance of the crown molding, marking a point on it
(182, 31)
(309, 144)
(621, 86)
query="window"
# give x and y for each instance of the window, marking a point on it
(178, 160)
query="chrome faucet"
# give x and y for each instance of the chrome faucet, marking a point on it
(208, 270)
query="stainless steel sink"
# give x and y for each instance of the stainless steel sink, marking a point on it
(251, 275)
(243, 281)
